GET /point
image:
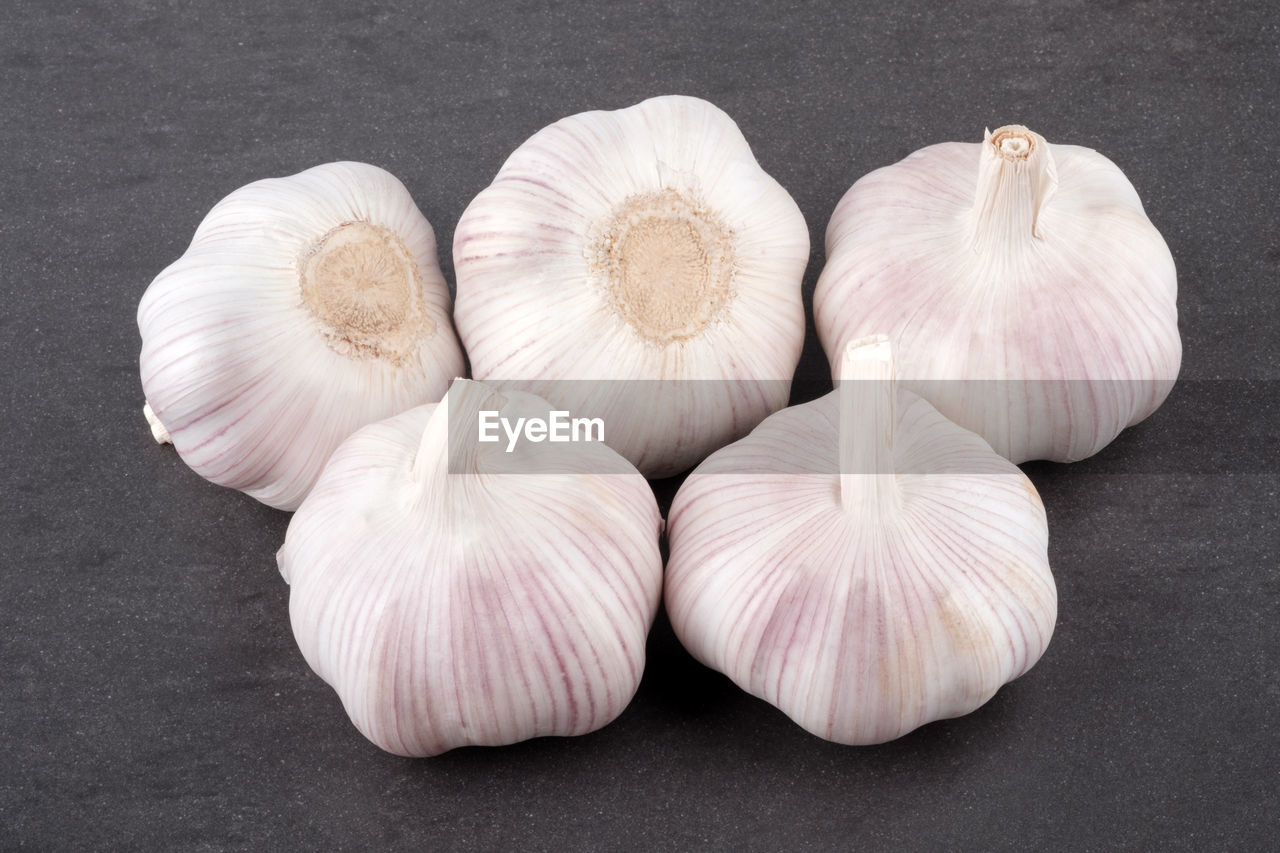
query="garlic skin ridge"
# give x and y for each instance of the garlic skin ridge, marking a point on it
(304, 308)
(1028, 296)
(451, 599)
(861, 562)
(638, 244)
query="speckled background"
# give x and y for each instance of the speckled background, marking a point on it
(151, 695)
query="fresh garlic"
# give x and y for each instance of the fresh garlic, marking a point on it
(1027, 294)
(305, 308)
(640, 244)
(453, 593)
(861, 562)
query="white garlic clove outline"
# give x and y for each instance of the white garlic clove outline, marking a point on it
(451, 599)
(1027, 294)
(305, 308)
(644, 244)
(861, 562)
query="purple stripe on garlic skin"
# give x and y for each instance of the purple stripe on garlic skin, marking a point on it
(1026, 293)
(640, 244)
(480, 606)
(861, 562)
(305, 308)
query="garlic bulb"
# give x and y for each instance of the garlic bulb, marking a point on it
(1027, 294)
(861, 562)
(453, 593)
(640, 244)
(305, 308)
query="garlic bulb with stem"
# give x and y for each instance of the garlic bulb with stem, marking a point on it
(640, 244)
(861, 562)
(305, 308)
(1028, 296)
(453, 593)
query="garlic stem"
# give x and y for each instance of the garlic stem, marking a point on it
(452, 426)
(435, 436)
(867, 389)
(158, 432)
(1017, 176)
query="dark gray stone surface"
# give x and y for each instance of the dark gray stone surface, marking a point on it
(151, 695)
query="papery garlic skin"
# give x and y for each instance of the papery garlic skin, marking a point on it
(305, 308)
(640, 244)
(861, 604)
(482, 608)
(1029, 297)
